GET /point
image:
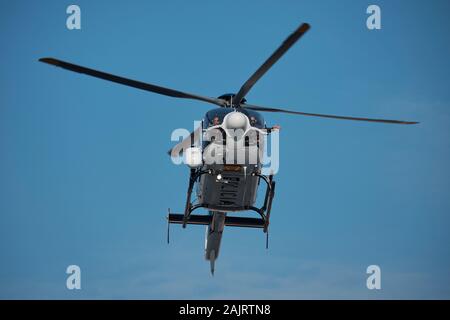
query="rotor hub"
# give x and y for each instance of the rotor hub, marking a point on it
(229, 98)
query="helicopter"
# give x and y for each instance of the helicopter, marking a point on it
(225, 186)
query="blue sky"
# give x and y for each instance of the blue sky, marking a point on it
(85, 178)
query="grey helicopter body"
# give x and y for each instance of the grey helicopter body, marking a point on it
(224, 185)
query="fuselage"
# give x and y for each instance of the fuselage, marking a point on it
(232, 151)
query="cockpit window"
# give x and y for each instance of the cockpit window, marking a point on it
(215, 117)
(216, 121)
(253, 121)
(255, 118)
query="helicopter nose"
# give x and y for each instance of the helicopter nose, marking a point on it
(236, 120)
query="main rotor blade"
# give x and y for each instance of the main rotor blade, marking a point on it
(258, 108)
(187, 142)
(131, 83)
(271, 61)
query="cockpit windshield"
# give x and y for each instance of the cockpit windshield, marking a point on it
(215, 117)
